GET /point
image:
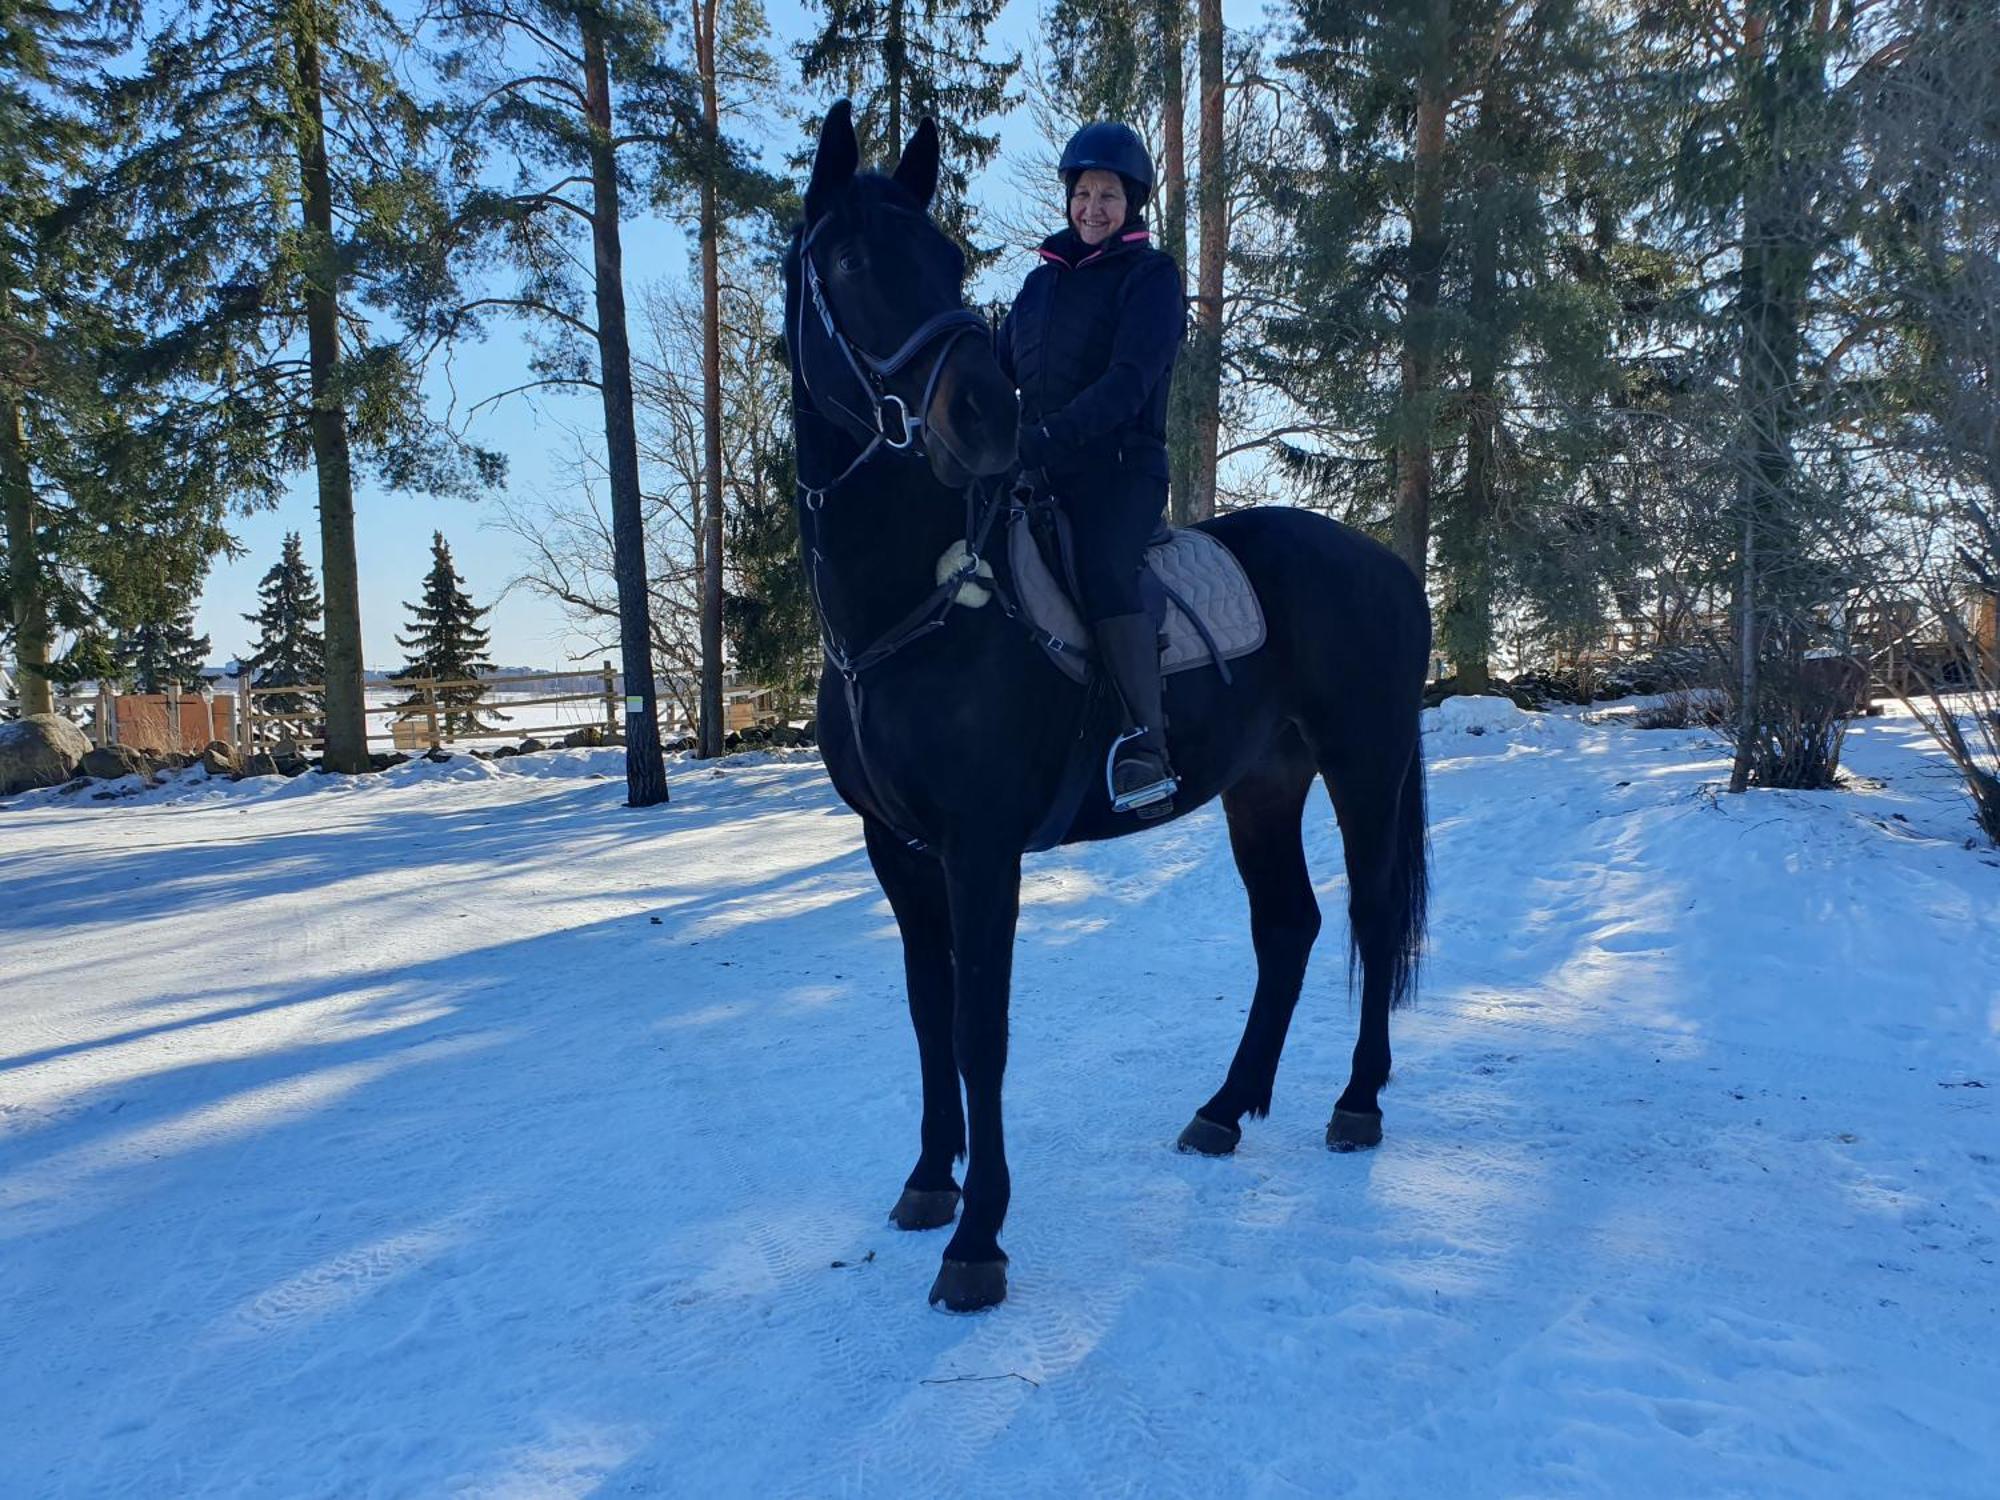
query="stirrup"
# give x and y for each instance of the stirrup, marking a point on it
(1150, 795)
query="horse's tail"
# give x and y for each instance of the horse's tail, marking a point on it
(1406, 911)
(1413, 877)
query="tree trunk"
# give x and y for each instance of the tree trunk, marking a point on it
(24, 570)
(1776, 271)
(895, 67)
(1205, 351)
(645, 772)
(1468, 616)
(346, 700)
(711, 395)
(1427, 249)
(1172, 219)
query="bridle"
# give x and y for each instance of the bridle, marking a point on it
(985, 500)
(904, 430)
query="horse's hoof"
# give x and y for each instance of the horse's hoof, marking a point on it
(1206, 1138)
(1350, 1130)
(964, 1286)
(925, 1208)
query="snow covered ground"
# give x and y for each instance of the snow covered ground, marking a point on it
(457, 1130)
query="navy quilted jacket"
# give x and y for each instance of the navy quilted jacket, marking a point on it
(1090, 343)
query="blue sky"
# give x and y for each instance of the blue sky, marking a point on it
(394, 531)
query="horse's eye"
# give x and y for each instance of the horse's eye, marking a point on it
(848, 261)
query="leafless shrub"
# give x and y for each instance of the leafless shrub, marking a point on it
(1685, 707)
(1799, 721)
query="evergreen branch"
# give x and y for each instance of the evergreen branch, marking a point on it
(543, 80)
(550, 198)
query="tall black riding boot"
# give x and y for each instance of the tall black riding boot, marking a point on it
(1140, 778)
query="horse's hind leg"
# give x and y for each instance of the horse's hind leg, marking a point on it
(914, 884)
(1378, 795)
(1265, 811)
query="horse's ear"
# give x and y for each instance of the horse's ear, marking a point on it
(918, 170)
(834, 162)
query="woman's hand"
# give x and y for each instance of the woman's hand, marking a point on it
(1035, 447)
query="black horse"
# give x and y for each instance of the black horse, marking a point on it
(951, 733)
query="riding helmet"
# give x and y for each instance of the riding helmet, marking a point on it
(1111, 148)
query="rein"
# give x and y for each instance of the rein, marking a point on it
(983, 504)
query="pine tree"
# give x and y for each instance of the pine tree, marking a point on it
(598, 114)
(728, 48)
(290, 650)
(447, 643)
(164, 653)
(286, 197)
(898, 61)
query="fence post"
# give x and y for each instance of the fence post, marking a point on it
(610, 702)
(431, 711)
(174, 716)
(106, 726)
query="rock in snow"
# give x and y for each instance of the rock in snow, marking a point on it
(41, 750)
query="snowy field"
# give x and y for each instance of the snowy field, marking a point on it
(458, 1131)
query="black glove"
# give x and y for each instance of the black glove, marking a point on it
(1035, 447)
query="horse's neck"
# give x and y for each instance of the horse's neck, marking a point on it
(874, 544)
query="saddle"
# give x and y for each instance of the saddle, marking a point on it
(1201, 600)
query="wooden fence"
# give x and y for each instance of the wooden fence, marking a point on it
(70, 705)
(423, 720)
(187, 722)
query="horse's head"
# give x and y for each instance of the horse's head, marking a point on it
(880, 338)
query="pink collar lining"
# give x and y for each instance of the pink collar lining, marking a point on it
(1124, 239)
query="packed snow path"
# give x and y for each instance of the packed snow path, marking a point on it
(460, 1131)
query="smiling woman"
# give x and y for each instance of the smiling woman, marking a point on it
(1091, 342)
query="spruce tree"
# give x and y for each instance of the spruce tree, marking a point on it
(447, 642)
(1449, 281)
(290, 650)
(164, 653)
(112, 479)
(1767, 197)
(898, 61)
(773, 631)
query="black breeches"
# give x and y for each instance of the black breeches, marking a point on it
(1111, 518)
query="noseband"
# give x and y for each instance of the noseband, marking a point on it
(904, 429)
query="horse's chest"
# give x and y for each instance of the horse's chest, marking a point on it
(927, 757)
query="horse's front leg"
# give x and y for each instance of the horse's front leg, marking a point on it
(984, 889)
(914, 884)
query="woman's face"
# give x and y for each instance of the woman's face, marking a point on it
(1097, 206)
